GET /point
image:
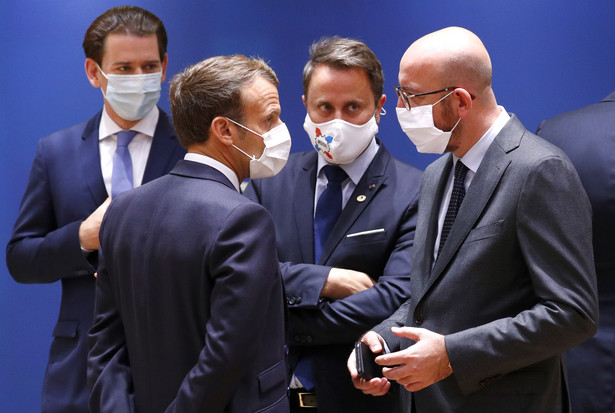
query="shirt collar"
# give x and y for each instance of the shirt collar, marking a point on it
(219, 166)
(356, 168)
(474, 156)
(146, 126)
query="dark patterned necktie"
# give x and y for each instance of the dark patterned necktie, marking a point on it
(459, 192)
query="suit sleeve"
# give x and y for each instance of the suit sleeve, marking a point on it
(554, 234)
(39, 251)
(109, 372)
(244, 269)
(343, 321)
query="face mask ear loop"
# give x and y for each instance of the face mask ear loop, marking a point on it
(252, 157)
(383, 111)
(246, 128)
(447, 95)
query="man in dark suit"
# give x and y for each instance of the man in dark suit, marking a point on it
(352, 271)
(189, 299)
(56, 233)
(503, 280)
(587, 136)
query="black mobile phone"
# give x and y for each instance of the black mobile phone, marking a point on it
(366, 361)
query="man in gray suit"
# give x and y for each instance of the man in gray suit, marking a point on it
(503, 280)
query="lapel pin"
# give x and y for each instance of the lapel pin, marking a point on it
(361, 198)
(372, 186)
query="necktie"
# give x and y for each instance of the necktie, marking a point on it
(459, 192)
(328, 208)
(121, 178)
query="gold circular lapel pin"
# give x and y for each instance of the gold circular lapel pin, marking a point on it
(361, 198)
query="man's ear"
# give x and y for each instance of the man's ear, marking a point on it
(379, 106)
(92, 72)
(165, 60)
(222, 130)
(464, 102)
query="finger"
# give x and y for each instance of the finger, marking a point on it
(374, 387)
(392, 359)
(407, 332)
(372, 339)
(416, 386)
(352, 365)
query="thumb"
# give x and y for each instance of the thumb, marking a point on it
(412, 333)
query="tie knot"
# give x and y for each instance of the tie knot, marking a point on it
(460, 170)
(124, 137)
(334, 173)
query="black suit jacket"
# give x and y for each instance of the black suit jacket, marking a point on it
(374, 234)
(587, 135)
(65, 186)
(189, 301)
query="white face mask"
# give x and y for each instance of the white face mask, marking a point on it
(277, 147)
(132, 96)
(340, 142)
(418, 124)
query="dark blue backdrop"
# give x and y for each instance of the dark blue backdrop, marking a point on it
(548, 57)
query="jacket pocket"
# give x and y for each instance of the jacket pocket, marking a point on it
(364, 237)
(493, 229)
(273, 377)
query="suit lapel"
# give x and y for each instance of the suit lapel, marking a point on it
(370, 184)
(487, 177)
(304, 205)
(89, 158)
(162, 150)
(432, 192)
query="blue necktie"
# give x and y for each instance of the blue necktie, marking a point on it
(328, 208)
(459, 192)
(121, 179)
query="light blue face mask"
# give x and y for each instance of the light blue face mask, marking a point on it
(132, 96)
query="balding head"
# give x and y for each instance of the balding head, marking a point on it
(450, 57)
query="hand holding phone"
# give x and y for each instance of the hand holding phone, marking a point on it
(366, 361)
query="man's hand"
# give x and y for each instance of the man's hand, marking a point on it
(342, 283)
(378, 386)
(88, 230)
(420, 365)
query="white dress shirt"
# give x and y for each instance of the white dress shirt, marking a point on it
(219, 166)
(472, 160)
(139, 147)
(354, 170)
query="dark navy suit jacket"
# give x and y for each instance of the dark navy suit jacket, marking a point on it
(587, 135)
(65, 186)
(189, 301)
(325, 329)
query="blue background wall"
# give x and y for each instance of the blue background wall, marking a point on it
(548, 56)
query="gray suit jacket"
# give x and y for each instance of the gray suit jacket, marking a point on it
(514, 286)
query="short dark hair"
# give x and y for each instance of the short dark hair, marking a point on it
(123, 19)
(212, 88)
(344, 53)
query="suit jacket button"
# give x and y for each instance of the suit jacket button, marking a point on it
(419, 319)
(297, 300)
(291, 300)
